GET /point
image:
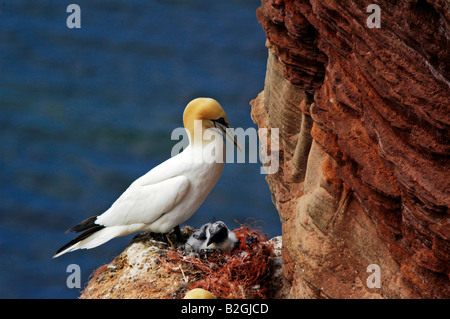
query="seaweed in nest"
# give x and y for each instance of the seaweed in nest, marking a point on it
(239, 274)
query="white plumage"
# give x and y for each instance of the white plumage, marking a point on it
(170, 193)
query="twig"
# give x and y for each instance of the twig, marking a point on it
(182, 272)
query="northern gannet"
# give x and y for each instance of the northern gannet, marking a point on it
(170, 193)
(212, 236)
(196, 241)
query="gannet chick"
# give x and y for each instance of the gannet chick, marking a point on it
(212, 236)
(218, 236)
(197, 239)
(170, 193)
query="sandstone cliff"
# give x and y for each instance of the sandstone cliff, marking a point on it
(363, 118)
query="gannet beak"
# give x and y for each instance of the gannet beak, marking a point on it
(226, 130)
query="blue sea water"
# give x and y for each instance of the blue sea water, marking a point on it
(84, 112)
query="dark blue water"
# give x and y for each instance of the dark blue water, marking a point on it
(84, 112)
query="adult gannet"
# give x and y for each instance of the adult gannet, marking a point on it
(170, 193)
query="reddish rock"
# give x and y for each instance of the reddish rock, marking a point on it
(364, 122)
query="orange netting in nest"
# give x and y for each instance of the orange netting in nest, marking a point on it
(240, 273)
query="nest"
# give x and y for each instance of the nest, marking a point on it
(239, 274)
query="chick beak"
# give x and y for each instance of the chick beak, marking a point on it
(226, 130)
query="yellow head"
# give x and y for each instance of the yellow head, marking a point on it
(211, 115)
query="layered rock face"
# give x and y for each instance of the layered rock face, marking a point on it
(363, 118)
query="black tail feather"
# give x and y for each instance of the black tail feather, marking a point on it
(87, 232)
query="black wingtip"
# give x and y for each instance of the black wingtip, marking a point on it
(84, 225)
